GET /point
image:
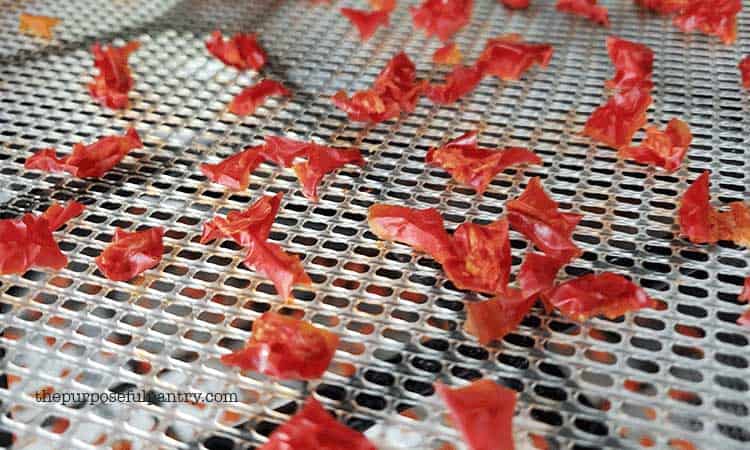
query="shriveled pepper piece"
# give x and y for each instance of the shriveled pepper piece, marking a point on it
(615, 122)
(493, 319)
(242, 51)
(449, 54)
(246, 102)
(585, 8)
(283, 269)
(442, 18)
(39, 26)
(111, 86)
(367, 22)
(508, 57)
(481, 257)
(131, 253)
(664, 149)
(711, 17)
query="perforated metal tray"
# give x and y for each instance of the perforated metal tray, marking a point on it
(654, 379)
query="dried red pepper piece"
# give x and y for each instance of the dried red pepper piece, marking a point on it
(745, 294)
(449, 54)
(744, 319)
(662, 6)
(383, 5)
(481, 257)
(537, 273)
(367, 22)
(493, 319)
(665, 148)
(585, 8)
(458, 83)
(396, 90)
(88, 161)
(515, 4)
(111, 86)
(242, 51)
(474, 166)
(314, 428)
(242, 227)
(734, 224)
(39, 26)
(28, 241)
(537, 217)
(247, 101)
(508, 58)
(483, 413)
(285, 348)
(320, 161)
(421, 229)
(58, 215)
(130, 254)
(744, 67)
(615, 122)
(634, 64)
(606, 294)
(282, 151)
(283, 269)
(711, 17)
(441, 18)
(234, 171)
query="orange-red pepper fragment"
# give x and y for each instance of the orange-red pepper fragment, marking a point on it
(314, 428)
(242, 51)
(482, 412)
(508, 57)
(711, 17)
(585, 8)
(130, 254)
(474, 166)
(493, 319)
(242, 227)
(615, 122)
(111, 86)
(87, 161)
(744, 67)
(442, 18)
(449, 54)
(665, 148)
(285, 348)
(247, 101)
(607, 293)
(481, 257)
(39, 26)
(745, 294)
(459, 82)
(367, 22)
(234, 171)
(634, 64)
(283, 269)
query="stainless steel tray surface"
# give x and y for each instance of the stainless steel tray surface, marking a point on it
(653, 379)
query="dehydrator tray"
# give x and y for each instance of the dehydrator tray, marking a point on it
(652, 379)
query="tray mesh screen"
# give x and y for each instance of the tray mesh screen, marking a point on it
(652, 379)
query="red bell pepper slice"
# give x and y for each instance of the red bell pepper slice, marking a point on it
(615, 122)
(493, 319)
(246, 102)
(606, 294)
(285, 348)
(537, 273)
(634, 64)
(711, 17)
(242, 51)
(744, 67)
(39, 26)
(130, 254)
(111, 86)
(508, 58)
(473, 166)
(449, 55)
(242, 227)
(745, 294)
(515, 4)
(482, 412)
(367, 22)
(585, 8)
(58, 215)
(314, 428)
(441, 18)
(537, 217)
(665, 148)
(744, 319)
(481, 257)
(234, 171)
(322, 160)
(283, 269)
(87, 161)
(421, 229)
(458, 83)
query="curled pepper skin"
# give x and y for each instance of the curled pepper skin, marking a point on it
(442, 18)
(39, 26)
(744, 67)
(606, 294)
(367, 22)
(322, 160)
(283, 269)
(111, 86)
(130, 254)
(234, 171)
(246, 102)
(493, 319)
(449, 55)
(537, 273)
(585, 8)
(242, 227)
(745, 294)
(664, 149)
(459, 82)
(481, 257)
(634, 64)
(285, 348)
(615, 122)
(508, 57)
(313, 428)
(242, 51)
(711, 17)
(483, 413)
